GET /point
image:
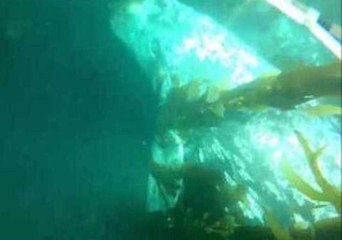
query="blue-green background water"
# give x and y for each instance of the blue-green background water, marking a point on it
(79, 81)
(72, 124)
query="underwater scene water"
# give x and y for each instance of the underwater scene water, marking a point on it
(170, 119)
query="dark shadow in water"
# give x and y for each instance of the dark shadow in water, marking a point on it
(75, 110)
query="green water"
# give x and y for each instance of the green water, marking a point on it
(80, 85)
(72, 123)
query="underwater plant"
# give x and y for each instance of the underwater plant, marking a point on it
(328, 192)
(323, 110)
(279, 232)
(195, 105)
(288, 89)
(198, 213)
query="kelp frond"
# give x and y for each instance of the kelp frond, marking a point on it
(302, 185)
(328, 193)
(279, 232)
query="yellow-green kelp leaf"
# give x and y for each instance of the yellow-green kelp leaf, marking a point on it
(323, 110)
(305, 188)
(279, 232)
(332, 193)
